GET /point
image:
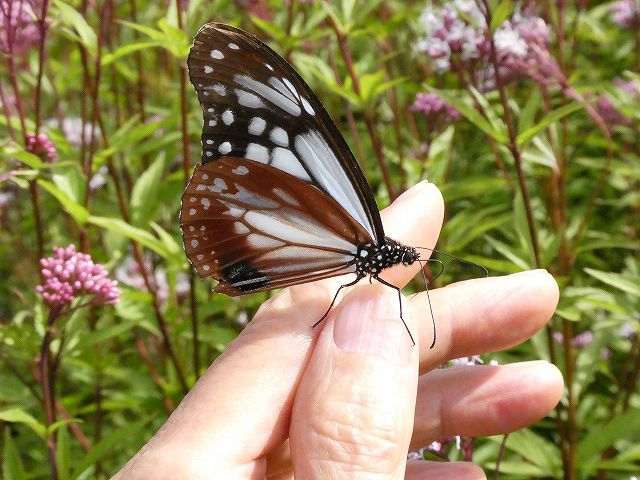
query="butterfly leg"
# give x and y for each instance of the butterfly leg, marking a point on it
(397, 289)
(335, 297)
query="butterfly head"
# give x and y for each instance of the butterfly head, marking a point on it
(409, 255)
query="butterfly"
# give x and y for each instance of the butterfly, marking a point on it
(278, 199)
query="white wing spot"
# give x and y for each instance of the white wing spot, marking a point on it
(279, 136)
(192, 199)
(212, 123)
(219, 89)
(240, 170)
(248, 99)
(268, 66)
(208, 153)
(204, 175)
(224, 148)
(206, 267)
(209, 142)
(218, 185)
(201, 188)
(257, 125)
(206, 203)
(208, 69)
(194, 243)
(211, 110)
(240, 228)
(192, 228)
(217, 54)
(192, 211)
(199, 256)
(307, 106)
(283, 159)
(233, 46)
(269, 93)
(227, 117)
(291, 87)
(257, 152)
(202, 228)
(285, 196)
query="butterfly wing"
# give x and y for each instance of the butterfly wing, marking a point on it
(256, 106)
(252, 227)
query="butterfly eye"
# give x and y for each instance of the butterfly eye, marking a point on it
(409, 256)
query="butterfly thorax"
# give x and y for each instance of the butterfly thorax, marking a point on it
(372, 258)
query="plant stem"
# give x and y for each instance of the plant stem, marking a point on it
(48, 391)
(368, 120)
(513, 145)
(186, 171)
(42, 26)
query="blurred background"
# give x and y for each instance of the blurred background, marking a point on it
(525, 114)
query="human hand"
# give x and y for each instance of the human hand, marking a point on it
(348, 399)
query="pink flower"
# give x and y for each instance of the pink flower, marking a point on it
(434, 108)
(70, 274)
(41, 146)
(19, 30)
(626, 13)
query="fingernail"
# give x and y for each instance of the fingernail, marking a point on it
(533, 273)
(370, 324)
(412, 192)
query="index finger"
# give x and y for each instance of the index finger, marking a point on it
(248, 392)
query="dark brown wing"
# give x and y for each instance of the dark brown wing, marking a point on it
(256, 106)
(254, 227)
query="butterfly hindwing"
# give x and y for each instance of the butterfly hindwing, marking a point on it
(252, 227)
(257, 107)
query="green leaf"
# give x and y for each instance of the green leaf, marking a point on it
(471, 114)
(12, 150)
(17, 415)
(71, 182)
(12, 468)
(73, 208)
(76, 20)
(143, 237)
(507, 252)
(63, 452)
(601, 437)
(527, 114)
(537, 450)
(145, 192)
(550, 118)
(500, 13)
(622, 282)
(105, 447)
(127, 49)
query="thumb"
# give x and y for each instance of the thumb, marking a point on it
(354, 409)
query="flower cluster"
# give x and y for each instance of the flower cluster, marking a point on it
(607, 108)
(626, 13)
(18, 28)
(434, 108)
(70, 274)
(454, 33)
(41, 146)
(457, 38)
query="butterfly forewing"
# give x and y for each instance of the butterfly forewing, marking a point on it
(257, 107)
(252, 227)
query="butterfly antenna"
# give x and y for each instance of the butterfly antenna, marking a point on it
(439, 252)
(426, 286)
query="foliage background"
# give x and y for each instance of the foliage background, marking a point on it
(551, 181)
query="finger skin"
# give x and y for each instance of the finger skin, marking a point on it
(421, 470)
(248, 392)
(483, 400)
(353, 413)
(483, 315)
